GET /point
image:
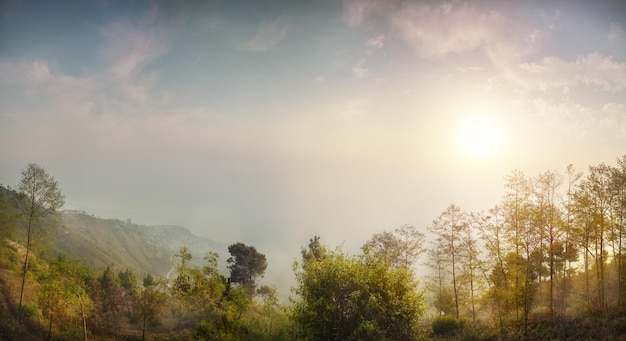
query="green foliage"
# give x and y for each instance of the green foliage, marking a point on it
(113, 302)
(444, 301)
(41, 191)
(28, 312)
(446, 326)
(9, 258)
(268, 296)
(128, 281)
(402, 247)
(197, 290)
(529, 289)
(205, 331)
(315, 251)
(207, 287)
(43, 197)
(64, 295)
(343, 297)
(149, 305)
(246, 264)
(235, 303)
(8, 215)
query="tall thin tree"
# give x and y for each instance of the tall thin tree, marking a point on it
(448, 229)
(42, 198)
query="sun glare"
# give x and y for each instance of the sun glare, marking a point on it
(479, 137)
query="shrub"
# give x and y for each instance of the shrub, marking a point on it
(446, 326)
(28, 312)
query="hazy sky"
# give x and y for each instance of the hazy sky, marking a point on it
(270, 122)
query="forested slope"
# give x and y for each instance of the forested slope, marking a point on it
(120, 244)
(547, 263)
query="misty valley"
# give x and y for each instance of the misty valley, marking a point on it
(547, 262)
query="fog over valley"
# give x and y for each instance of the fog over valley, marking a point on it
(266, 124)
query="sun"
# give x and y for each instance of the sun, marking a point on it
(479, 136)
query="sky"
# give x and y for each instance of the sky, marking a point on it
(270, 122)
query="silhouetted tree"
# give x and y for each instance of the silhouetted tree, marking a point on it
(246, 264)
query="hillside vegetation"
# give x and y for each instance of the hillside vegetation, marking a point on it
(547, 263)
(122, 244)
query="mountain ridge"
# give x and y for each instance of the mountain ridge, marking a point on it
(120, 244)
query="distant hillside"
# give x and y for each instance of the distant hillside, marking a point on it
(119, 244)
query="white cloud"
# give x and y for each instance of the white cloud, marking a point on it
(437, 30)
(128, 47)
(594, 70)
(49, 90)
(39, 71)
(561, 119)
(469, 69)
(268, 35)
(376, 42)
(614, 109)
(355, 11)
(563, 97)
(614, 117)
(358, 70)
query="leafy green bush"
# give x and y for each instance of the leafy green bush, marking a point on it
(28, 312)
(344, 297)
(9, 259)
(204, 331)
(446, 326)
(478, 331)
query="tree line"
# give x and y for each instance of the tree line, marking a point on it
(547, 262)
(549, 256)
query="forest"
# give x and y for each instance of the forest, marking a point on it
(547, 263)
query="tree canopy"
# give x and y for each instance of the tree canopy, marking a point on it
(43, 196)
(246, 264)
(343, 297)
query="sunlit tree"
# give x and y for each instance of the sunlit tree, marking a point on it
(492, 232)
(182, 285)
(437, 281)
(549, 220)
(594, 202)
(618, 190)
(42, 197)
(471, 262)
(342, 297)
(402, 247)
(64, 297)
(448, 230)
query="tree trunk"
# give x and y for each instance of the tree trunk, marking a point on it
(143, 328)
(82, 314)
(50, 328)
(471, 266)
(30, 224)
(456, 295)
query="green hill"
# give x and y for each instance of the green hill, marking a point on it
(119, 244)
(105, 242)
